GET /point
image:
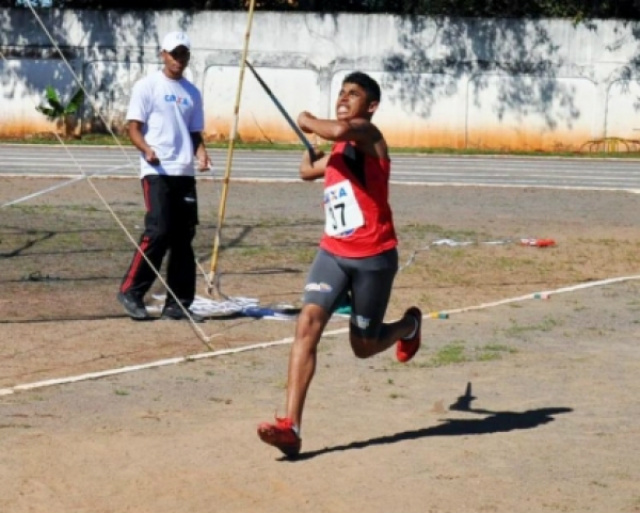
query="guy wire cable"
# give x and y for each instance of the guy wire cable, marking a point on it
(198, 331)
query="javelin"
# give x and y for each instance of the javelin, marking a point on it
(292, 123)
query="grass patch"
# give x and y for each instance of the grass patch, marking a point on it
(493, 352)
(517, 330)
(450, 354)
(457, 352)
(221, 400)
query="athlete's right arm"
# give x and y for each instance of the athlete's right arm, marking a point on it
(361, 131)
(309, 170)
(137, 138)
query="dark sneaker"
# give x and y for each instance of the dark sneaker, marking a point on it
(133, 306)
(281, 435)
(406, 349)
(175, 313)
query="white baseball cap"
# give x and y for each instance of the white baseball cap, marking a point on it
(175, 39)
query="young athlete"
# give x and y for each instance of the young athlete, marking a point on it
(357, 253)
(166, 119)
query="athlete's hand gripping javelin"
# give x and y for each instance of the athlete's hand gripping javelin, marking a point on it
(311, 168)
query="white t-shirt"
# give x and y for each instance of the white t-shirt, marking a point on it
(170, 110)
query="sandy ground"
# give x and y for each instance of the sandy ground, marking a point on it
(527, 406)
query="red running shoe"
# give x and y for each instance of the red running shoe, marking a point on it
(281, 435)
(406, 349)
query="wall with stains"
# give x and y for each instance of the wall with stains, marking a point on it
(458, 83)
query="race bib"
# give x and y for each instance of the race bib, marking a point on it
(341, 210)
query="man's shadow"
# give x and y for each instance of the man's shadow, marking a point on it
(494, 422)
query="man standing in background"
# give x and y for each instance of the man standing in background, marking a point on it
(165, 122)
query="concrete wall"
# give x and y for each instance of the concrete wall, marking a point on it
(461, 83)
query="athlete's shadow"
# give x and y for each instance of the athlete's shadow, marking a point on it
(494, 422)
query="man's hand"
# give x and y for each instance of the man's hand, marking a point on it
(313, 170)
(151, 157)
(137, 138)
(204, 162)
(318, 153)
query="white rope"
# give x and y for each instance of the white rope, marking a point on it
(60, 186)
(453, 243)
(134, 368)
(546, 294)
(289, 340)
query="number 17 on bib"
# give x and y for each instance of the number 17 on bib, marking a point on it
(341, 210)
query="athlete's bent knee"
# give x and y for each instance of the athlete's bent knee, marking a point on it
(362, 347)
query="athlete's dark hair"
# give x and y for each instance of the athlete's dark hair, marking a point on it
(370, 86)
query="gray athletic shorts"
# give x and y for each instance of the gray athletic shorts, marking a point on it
(368, 280)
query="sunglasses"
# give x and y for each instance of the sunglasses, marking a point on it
(180, 54)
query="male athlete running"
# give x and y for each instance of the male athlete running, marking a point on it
(357, 253)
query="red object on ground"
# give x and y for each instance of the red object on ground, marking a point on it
(538, 243)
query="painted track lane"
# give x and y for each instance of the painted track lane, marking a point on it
(500, 171)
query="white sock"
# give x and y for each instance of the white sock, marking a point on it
(413, 333)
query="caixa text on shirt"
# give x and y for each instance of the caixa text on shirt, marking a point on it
(333, 194)
(172, 98)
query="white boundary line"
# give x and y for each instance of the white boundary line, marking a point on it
(240, 179)
(288, 340)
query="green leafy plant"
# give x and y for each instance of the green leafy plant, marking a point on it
(55, 110)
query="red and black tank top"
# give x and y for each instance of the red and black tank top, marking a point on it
(358, 219)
